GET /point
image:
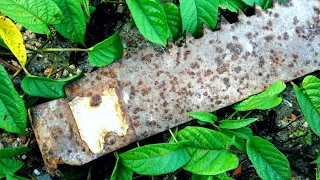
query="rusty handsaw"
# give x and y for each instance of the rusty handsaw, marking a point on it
(149, 92)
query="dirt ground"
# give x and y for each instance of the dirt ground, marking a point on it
(284, 125)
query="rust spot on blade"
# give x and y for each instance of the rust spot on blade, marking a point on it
(95, 100)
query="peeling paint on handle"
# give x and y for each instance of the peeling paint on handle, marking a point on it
(97, 116)
(155, 90)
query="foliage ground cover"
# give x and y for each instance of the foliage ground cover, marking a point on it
(206, 150)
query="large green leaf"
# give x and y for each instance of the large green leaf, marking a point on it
(268, 161)
(216, 177)
(45, 87)
(11, 176)
(239, 143)
(156, 159)
(203, 116)
(73, 26)
(121, 172)
(265, 4)
(244, 132)
(309, 111)
(232, 5)
(9, 166)
(311, 87)
(265, 100)
(195, 13)
(34, 15)
(9, 152)
(236, 124)
(13, 114)
(174, 19)
(261, 3)
(106, 52)
(150, 19)
(208, 149)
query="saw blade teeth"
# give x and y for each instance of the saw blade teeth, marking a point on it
(224, 21)
(171, 45)
(241, 16)
(258, 10)
(189, 37)
(206, 29)
(275, 3)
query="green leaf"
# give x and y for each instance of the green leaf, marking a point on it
(15, 177)
(92, 9)
(195, 13)
(268, 4)
(311, 87)
(86, 7)
(34, 15)
(236, 124)
(106, 52)
(13, 114)
(9, 166)
(9, 152)
(45, 87)
(216, 177)
(203, 116)
(150, 19)
(251, 3)
(268, 161)
(239, 143)
(73, 26)
(308, 139)
(265, 100)
(156, 159)
(174, 19)
(309, 111)
(317, 161)
(244, 132)
(208, 150)
(3, 44)
(121, 172)
(232, 5)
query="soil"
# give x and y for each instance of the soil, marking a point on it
(278, 125)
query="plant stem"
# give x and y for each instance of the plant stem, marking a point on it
(174, 138)
(247, 114)
(114, 2)
(61, 49)
(53, 66)
(215, 126)
(137, 177)
(66, 65)
(32, 57)
(234, 113)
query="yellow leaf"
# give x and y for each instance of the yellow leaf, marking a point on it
(13, 39)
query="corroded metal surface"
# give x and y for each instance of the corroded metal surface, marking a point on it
(221, 68)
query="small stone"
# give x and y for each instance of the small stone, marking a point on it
(36, 172)
(72, 66)
(78, 71)
(293, 117)
(65, 72)
(24, 157)
(18, 139)
(305, 124)
(4, 134)
(294, 124)
(10, 140)
(288, 103)
(23, 139)
(44, 177)
(1, 146)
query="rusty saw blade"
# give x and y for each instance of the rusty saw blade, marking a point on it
(149, 92)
